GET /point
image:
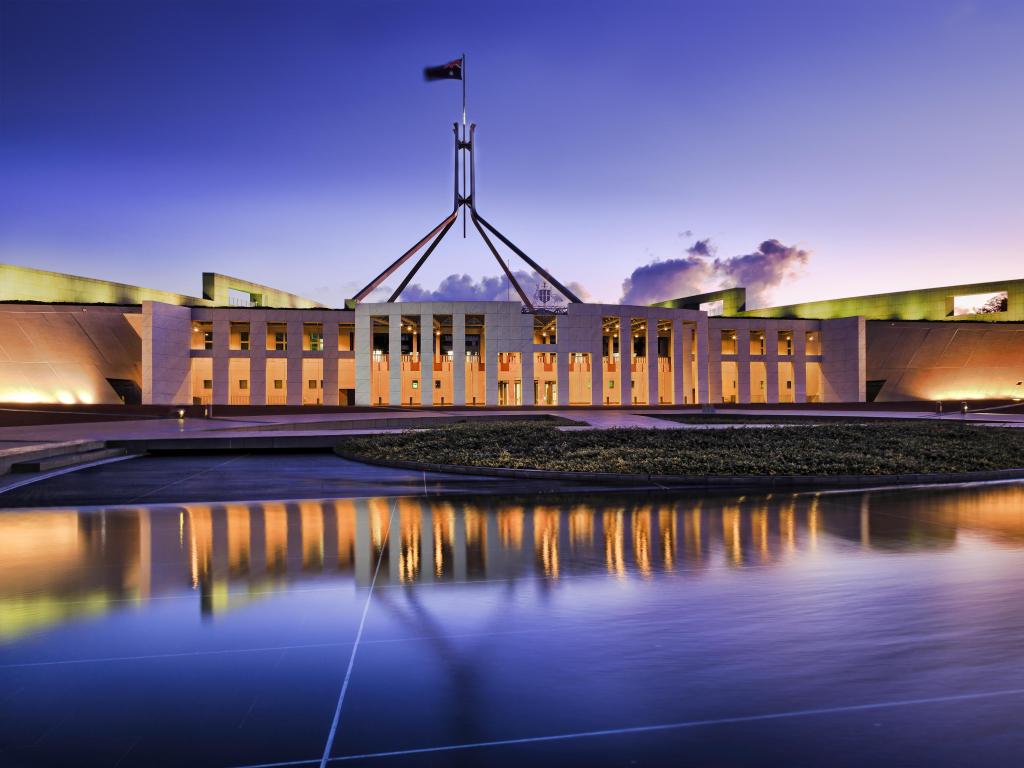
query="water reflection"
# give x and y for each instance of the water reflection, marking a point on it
(56, 566)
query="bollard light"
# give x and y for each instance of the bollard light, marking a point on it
(181, 413)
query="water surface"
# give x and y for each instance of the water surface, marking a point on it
(834, 629)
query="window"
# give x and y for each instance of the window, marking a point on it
(243, 383)
(313, 337)
(713, 308)
(437, 383)
(311, 384)
(757, 346)
(415, 383)
(980, 303)
(785, 343)
(207, 383)
(278, 383)
(277, 337)
(544, 327)
(729, 342)
(813, 342)
(202, 335)
(238, 336)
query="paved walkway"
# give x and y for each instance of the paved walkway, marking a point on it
(281, 425)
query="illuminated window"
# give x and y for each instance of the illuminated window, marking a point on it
(980, 303)
(728, 342)
(757, 344)
(785, 343)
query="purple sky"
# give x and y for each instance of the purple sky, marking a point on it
(296, 144)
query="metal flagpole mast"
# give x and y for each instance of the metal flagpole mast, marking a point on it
(464, 137)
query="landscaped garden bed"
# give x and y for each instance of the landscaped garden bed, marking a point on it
(827, 449)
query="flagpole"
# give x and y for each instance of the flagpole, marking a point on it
(464, 140)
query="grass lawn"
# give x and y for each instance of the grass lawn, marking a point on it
(826, 449)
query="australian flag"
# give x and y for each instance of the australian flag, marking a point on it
(450, 71)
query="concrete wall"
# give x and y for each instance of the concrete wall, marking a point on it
(166, 363)
(27, 284)
(58, 354)
(945, 361)
(217, 290)
(923, 304)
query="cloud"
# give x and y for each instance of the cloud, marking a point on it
(699, 271)
(456, 287)
(764, 269)
(662, 280)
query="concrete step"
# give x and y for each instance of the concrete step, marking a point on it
(45, 464)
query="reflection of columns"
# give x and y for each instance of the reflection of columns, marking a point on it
(459, 358)
(426, 573)
(865, 522)
(427, 339)
(459, 542)
(364, 547)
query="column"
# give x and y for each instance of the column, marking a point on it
(800, 364)
(743, 365)
(771, 362)
(221, 342)
(294, 355)
(492, 337)
(459, 358)
(364, 354)
(394, 355)
(652, 359)
(330, 325)
(626, 360)
(257, 359)
(680, 360)
(427, 358)
(703, 366)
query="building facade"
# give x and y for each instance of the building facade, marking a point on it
(82, 341)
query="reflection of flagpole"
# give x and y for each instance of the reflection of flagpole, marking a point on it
(464, 137)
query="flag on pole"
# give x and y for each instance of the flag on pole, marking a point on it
(450, 71)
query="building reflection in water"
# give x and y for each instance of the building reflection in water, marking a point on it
(56, 565)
